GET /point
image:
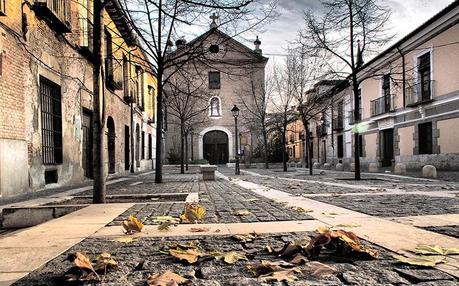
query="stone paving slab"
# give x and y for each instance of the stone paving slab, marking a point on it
(222, 201)
(154, 253)
(24, 251)
(429, 220)
(450, 230)
(395, 205)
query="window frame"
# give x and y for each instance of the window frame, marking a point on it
(213, 84)
(219, 107)
(2, 7)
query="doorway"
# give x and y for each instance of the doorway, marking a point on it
(126, 147)
(216, 147)
(111, 136)
(387, 147)
(87, 144)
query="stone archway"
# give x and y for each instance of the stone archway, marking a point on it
(111, 146)
(216, 128)
(215, 147)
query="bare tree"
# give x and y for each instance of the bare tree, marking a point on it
(159, 23)
(283, 105)
(187, 102)
(255, 99)
(347, 30)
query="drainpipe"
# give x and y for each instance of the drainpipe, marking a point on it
(403, 76)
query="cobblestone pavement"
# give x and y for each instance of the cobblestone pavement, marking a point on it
(223, 202)
(349, 270)
(450, 230)
(395, 205)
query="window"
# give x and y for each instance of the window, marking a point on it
(126, 76)
(424, 76)
(151, 96)
(340, 144)
(143, 145)
(86, 25)
(214, 80)
(51, 122)
(109, 58)
(215, 107)
(425, 138)
(386, 92)
(2, 7)
(140, 91)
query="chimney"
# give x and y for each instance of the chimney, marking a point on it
(257, 44)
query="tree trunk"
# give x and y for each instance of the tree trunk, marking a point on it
(356, 122)
(159, 129)
(309, 149)
(98, 114)
(284, 152)
(182, 148)
(265, 143)
(186, 151)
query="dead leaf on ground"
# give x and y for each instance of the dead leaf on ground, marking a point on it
(132, 225)
(242, 212)
(299, 259)
(265, 267)
(126, 239)
(168, 278)
(436, 250)
(166, 222)
(199, 229)
(348, 225)
(229, 257)
(192, 213)
(105, 261)
(246, 237)
(320, 270)
(302, 210)
(190, 255)
(279, 276)
(83, 269)
(420, 260)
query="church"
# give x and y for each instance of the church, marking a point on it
(226, 77)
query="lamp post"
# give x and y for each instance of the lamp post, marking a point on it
(235, 112)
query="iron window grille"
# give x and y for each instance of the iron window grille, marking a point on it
(51, 122)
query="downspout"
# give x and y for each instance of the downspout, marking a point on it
(403, 76)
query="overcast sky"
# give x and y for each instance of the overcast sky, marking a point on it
(406, 16)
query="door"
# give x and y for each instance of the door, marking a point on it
(87, 145)
(387, 147)
(216, 147)
(340, 143)
(126, 147)
(111, 143)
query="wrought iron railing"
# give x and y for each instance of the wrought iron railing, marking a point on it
(351, 116)
(419, 93)
(57, 12)
(86, 29)
(382, 105)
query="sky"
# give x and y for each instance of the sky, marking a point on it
(406, 16)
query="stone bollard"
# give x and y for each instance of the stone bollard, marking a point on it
(327, 166)
(400, 169)
(316, 165)
(339, 167)
(373, 168)
(429, 171)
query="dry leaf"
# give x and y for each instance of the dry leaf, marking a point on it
(125, 239)
(199, 229)
(420, 260)
(168, 278)
(436, 250)
(241, 212)
(229, 257)
(266, 267)
(299, 259)
(132, 225)
(348, 225)
(105, 261)
(189, 255)
(319, 269)
(246, 237)
(82, 261)
(287, 275)
(83, 269)
(192, 213)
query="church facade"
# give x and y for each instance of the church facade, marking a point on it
(226, 78)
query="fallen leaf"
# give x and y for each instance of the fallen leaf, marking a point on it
(436, 250)
(265, 267)
(319, 269)
(125, 239)
(192, 213)
(299, 259)
(105, 261)
(348, 225)
(303, 210)
(83, 269)
(246, 237)
(132, 225)
(241, 212)
(199, 229)
(420, 260)
(168, 278)
(82, 261)
(189, 255)
(279, 276)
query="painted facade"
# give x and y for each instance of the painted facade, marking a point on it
(46, 88)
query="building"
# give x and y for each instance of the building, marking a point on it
(46, 95)
(410, 101)
(226, 77)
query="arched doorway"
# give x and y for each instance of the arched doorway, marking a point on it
(215, 147)
(111, 137)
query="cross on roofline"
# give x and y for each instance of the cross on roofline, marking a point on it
(213, 17)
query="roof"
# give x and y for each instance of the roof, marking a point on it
(437, 16)
(118, 15)
(228, 38)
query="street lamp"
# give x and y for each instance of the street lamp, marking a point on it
(235, 112)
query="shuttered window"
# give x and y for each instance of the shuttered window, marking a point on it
(51, 122)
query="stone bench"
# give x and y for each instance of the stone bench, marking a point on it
(208, 172)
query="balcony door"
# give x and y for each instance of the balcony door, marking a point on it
(424, 77)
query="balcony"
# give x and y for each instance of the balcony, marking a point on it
(338, 123)
(113, 73)
(419, 93)
(55, 12)
(351, 116)
(382, 105)
(86, 39)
